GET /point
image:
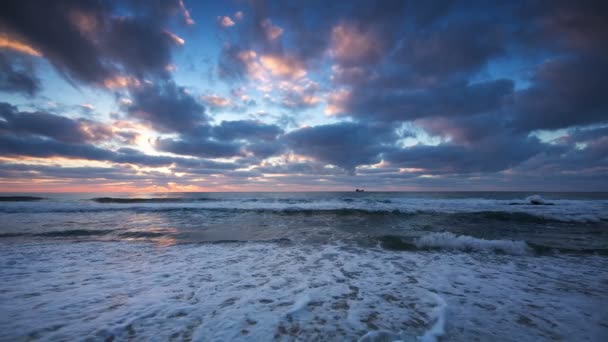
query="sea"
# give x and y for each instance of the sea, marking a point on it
(318, 266)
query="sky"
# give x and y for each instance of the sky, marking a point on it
(183, 95)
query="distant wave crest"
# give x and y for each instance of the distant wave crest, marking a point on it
(452, 241)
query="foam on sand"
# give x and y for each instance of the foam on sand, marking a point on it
(253, 291)
(450, 241)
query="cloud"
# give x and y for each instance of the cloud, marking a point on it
(40, 147)
(235, 63)
(490, 155)
(50, 125)
(566, 92)
(352, 45)
(9, 43)
(272, 32)
(187, 17)
(300, 96)
(436, 94)
(228, 139)
(167, 107)
(225, 21)
(199, 147)
(455, 48)
(216, 101)
(386, 102)
(91, 41)
(346, 145)
(17, 74)
(283, 67)
(245, 130)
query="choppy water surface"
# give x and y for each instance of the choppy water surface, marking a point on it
(307, 266)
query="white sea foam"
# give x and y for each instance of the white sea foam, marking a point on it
(450, 241)
(438, 328)
(244, 292)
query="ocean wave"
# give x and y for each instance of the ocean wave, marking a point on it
(20, 198)
(463, 243)
(75, 232)
(121, 200)
(466, 210)
(463, 214)
(450, 241)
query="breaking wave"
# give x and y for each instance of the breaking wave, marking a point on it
(452, 241)
(147, 206)
(447, 241)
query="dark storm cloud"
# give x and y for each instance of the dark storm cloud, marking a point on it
(12, 146)
(167, 107)
(245, 129)
(454, 99)
(488, 155)
(17, 74)
(344, 144)
(476, 77)
(567, 88)
(40, 147)
(579, 135)
(566, 92)
(152, 50)
(265, 149)
(228, 139)
(456, 48)
(426, 77)
(469, 130)
(199, 147)
(429, 71)
(46, 135)
(568, 166)
(52, 171)
(92, 41)
(50, 125)
(299, 168)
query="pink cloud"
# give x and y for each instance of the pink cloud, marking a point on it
(225, 21)
(352, 45)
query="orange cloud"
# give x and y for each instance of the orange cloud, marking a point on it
(121, 82)
(225, 21)
(283, 66)
(10, 43)
(186, 13)
(254, 68)
(177, 39)
(217, 100)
